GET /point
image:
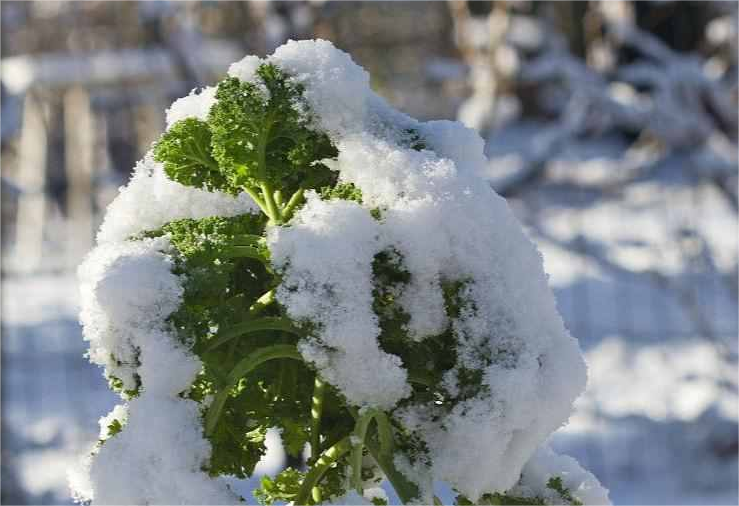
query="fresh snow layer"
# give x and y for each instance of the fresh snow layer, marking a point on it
(444, 221)
(447, 224)
(150, 200)
(330, 246)
(127, 290)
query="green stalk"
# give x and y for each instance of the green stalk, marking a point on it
(287, 211)
(244, 367)
(405, 489)
(262, 302)
(384, 433)
(315, 492)
(256, 325)
(324, 462)
(273, 211)
(360, 434)
(256, 198)
(245, 252)
(247, 240)
(316, 411)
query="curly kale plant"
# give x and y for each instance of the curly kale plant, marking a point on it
(394, 373)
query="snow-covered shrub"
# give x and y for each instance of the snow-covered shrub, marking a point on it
(296, 254)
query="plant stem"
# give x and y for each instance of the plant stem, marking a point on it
(245, 252)
(322, 465)
(289, 208)
(262, 302)
(251, 325)
(384, 433)
(360, 434)
(315, 492)
(316, 411)
(256, 198)
(244, 367)
(269, 200)
(405, 489)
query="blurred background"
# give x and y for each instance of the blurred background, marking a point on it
(611, 128)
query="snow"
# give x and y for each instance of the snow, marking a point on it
(112, 308)
(684, 381)
(196, 105)
(165, 201)
(642, 274)
(447, 224)
(330, 247)
(546, 464)
(127, 292)
(351, 498)
(50, 419)
(162, 437)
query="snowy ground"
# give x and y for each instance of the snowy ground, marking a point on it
(642, 273)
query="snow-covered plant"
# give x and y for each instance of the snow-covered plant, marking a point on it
(296, 254)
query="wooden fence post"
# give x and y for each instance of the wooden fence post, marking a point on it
(31, 179)
(79, 144)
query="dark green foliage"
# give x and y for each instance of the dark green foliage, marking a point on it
(250, 141)
(555, 483)
(343, 191)
(414, 140)
(185, 151)
(116, 384)
(114, 428)
(282, 488)
(434, 355)
(257, 141)
(219, 290)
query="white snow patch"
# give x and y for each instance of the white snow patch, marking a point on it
(151, 199)
(196, 105)
(546, 464)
